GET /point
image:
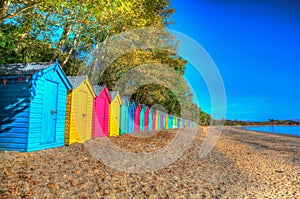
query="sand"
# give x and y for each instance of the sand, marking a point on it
(243, 164)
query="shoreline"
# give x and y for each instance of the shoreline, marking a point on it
(272, 133)
(242, 164)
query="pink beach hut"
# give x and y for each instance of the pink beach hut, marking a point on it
(137, 118)
(147, 118)
(154, 124)
(100, 111)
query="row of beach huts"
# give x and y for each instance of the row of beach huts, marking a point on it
(43, 108)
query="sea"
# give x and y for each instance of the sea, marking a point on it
(286, 130)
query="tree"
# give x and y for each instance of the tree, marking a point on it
(84, 24)
(45, 30)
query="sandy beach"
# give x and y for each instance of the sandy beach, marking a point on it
(243, 164)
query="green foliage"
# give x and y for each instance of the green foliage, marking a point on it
(9, 49)
(204, 118)
(139, 57)
(43, 30)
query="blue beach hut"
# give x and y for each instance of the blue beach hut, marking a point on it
(178, 123)
(158, 120)
(142, 118)
(131, 117)
(124, 115)
(33, 106)
(162, 121)
(170, 121)
(150, 124)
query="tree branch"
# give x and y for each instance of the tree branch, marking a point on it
(4, 5)
(3, 18)
(75, 44)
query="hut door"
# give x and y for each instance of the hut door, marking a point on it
(50, 112)
(82, 114)
(103, 114)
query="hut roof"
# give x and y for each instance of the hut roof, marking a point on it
(125, 98)
(23, 69)
(76, 80)
(98, 89)
(113, 94)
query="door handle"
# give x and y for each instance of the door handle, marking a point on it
(53, 112)
(83, 115)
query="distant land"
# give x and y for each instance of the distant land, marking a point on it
(206, 119)
(268, 122)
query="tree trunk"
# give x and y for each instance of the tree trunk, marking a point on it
(75, 43)
(96, 54)
(95, 60)
(102, 54)
(64, 37)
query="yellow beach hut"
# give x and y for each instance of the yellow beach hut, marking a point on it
(79, 110)
(114, 113)
(167, 122)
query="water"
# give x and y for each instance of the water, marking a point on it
(286, 130)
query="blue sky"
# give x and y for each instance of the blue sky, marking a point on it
(256, 47)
